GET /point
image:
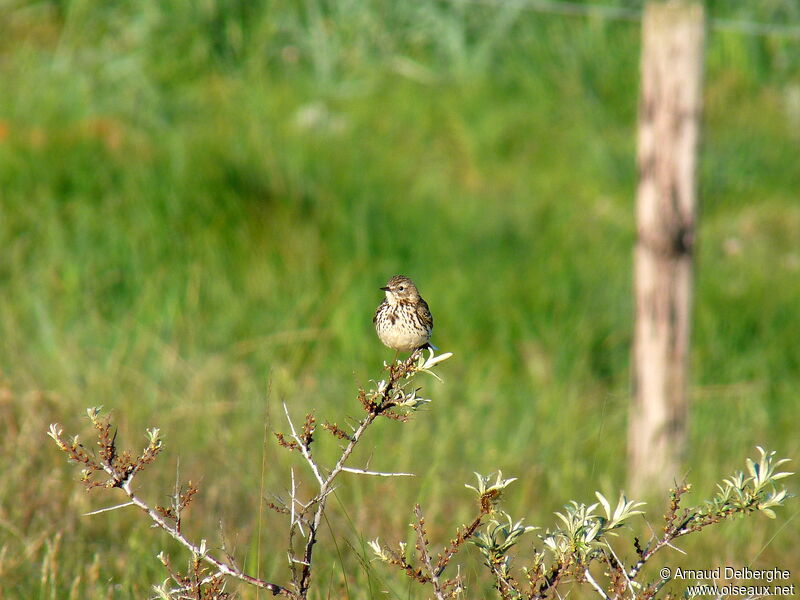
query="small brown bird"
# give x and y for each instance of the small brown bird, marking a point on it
(403, 320)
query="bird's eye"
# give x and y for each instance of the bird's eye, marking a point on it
(401, 288)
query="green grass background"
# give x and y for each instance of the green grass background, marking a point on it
(198, 202)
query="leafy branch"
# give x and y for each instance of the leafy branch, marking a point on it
(564, 555)
(584, 534)
(393, 397)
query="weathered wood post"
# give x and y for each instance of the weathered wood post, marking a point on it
(666, 207)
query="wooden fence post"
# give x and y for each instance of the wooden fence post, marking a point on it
(669, 128)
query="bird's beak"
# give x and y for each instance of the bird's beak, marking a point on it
(384, 289)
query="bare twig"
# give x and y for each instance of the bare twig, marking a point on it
(595, 585)
(107, 509)
(376, 473)
(220, 566)
(304, 448)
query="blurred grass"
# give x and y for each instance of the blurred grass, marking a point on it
(198, 202)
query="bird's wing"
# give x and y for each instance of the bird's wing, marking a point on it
(425, 313)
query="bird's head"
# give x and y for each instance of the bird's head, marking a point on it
(400, 288)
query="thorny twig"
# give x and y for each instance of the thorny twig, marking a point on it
(121, 471)
(389, 398)
(424, 554)
(570, 548)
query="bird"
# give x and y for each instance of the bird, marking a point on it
(403, 320)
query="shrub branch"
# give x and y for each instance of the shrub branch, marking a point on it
(392, 398)
(564, 556)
